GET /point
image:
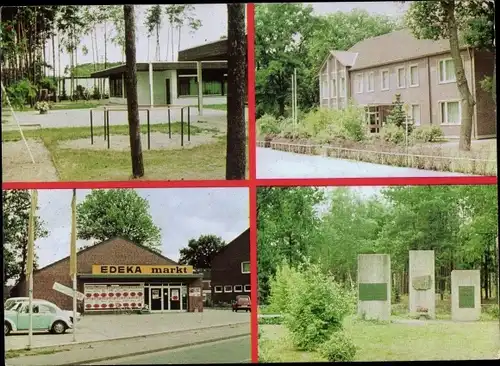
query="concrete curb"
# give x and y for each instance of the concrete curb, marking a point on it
(169, 348)
(127, 337)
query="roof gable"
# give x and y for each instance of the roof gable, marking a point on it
(394, 47)
(232, 243)
(103, 243)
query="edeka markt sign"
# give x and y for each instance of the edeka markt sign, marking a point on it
(137, 269)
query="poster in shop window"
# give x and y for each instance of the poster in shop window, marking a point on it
(174, 295)
(194, 291)
(109, 297)
(155, 294)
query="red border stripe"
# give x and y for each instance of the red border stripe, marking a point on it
(252, 183)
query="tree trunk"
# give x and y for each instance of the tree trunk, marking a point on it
(467, 100)
(54, 66)
(157, 55)
(236, 83)
(132, 103)
(179, 39)
(168, 43)
(172, 43)
(59, 64)
(105, 47)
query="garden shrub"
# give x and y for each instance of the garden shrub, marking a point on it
(328, 124)
(49, 84)
(316, 304)
(393, 133)
(338, 348)
(427, 134)
(397, 115)
(19, 93)
(493, 310)
(280, 286)
(267, 125)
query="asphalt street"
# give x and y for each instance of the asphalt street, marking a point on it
(236, 350)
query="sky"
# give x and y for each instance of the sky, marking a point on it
(180, 213)
(213, 18)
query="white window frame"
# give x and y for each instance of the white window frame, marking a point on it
(247, 288)
(333, 84)
(242, 263)
(236, 288)
(359, 81)
(412, 116)
(398, 79)
(226, 291)
(218, 291)
(368, 75)
(411, 85)
(444, 60)
(382, 79)
(324, 87)
(441, 112)
(344, 89)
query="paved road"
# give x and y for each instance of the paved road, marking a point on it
(81, 117)
(236, 350)
(281, 164)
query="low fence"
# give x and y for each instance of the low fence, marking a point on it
(418, 161)
(106, 110)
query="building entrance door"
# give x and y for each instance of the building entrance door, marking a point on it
(167, 91)
(155, 299)
(175, 298)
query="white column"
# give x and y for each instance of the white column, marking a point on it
(422, 294)
(200, 88)
(151, 96)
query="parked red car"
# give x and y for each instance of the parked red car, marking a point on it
(242, 303)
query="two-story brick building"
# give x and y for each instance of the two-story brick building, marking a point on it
(230, 270)
(374, 70)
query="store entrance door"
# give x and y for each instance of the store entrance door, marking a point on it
(155, 299)
(175, 298)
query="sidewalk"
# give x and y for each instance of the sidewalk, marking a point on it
(101, 351)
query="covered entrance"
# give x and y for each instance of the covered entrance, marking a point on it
(375, 116)
(166, 297)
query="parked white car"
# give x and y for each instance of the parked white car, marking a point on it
(46, 316)
(9, 303)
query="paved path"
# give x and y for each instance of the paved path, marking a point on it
(108, 352)
(281, 164)
(228, 351)
(104, 327)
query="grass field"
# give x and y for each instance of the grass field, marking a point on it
(201, 162)
(395, 342)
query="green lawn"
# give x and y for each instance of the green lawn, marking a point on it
(395, 342)
(220, 107)
(201, 162)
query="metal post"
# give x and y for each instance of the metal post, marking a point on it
(91, 128)
(169, 126)
(74, 307)
(182, 126)
(149, 134)
(107, 123)
(30, 304)
(104, 123)
(189, 123)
